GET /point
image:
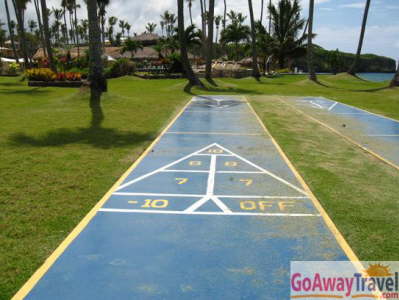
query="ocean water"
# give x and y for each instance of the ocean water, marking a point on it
(378, 77)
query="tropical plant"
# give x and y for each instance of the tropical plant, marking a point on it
(122, 26)
(40, 74)
(131, 46)
(121, 67)
(288, 41)
(353, 68)
(32, 25)
(128, 27)
(169, 20)
(111, 22)
(19, 9)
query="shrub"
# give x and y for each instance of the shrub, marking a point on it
(13, 68)
(121, 67)
(41, 74)
(69, 76)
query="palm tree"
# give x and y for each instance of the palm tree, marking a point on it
(150, 27)
(395, 79)
(57, 24)
(312, 73)
(190, 5)
(287, 24)
(112, 22)
(262, 5)
(20, 8)
(218, 20)
(98, 83)
(235, 33)
(131, 46)
(45, 13)
(11, 31)
(64, 5)
(39, 22)
(224, 15)
(255, 69)
(122, 26)
(270, 18)
(209, 52)
(192, 78)
(102, 5)
(353, 68)
(128, 27)
(32, 25)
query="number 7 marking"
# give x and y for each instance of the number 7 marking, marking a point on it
(248, 182)
(181, 180)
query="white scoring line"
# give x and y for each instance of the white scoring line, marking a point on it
(332, 106)
(176, 212)
(382, 135)
(202, 195)
(213, 133)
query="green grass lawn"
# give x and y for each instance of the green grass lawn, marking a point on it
(54, 167)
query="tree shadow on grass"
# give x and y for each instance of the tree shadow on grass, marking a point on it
(99, 137)
(230, 90)
(34, 91)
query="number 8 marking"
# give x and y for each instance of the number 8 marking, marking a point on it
(231, 164)
(248, 182)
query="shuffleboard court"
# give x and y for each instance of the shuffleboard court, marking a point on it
(212, 211)
(375, 133)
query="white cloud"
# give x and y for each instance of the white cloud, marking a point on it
(353, 5)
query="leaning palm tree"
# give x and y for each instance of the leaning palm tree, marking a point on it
(262, 5)
(353, 68)
(395, 79)
(98, 83)
(224, 14)
(11, 31)
(64, 5)
(39, 22)
(255, 69)
(209, 46)
(312, 73)
(192, 78)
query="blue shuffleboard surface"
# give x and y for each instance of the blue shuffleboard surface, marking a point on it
(373, 132)
(213, 211)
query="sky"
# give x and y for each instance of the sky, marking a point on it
(337, 22)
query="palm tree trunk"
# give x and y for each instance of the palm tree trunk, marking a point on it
(14, 49)
(209, 52)
(21, 31)
(395, 79)
(47, 35)
(191, 15)
(353, 68)
(39, 21)
(66, 36)
(255, 69)
(224, 15)
(76, 31)
(261, 11)
(270, 18)
(192, 78)
(98, 83)
(312, 74)
(203, 28)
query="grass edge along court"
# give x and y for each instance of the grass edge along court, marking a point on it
(78, 230)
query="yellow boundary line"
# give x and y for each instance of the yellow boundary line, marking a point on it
(342, 135)
(330, 224)
(33, 280)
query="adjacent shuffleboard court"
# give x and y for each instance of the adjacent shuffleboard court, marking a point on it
(213, 210)
(375, 133)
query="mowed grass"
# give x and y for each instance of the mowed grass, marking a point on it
(54, 167)
(358, 191)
